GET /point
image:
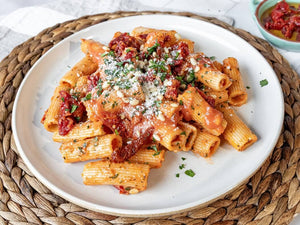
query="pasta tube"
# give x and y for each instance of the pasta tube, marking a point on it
(190, 133)
(80, 131)
(205, 143)
(152, 155)
(85, 66)
(218, 96)
(171, 137)
(237, 91)
(236, 133)
(91, 148)
(132, 176)
(200, 111)
(51, 115)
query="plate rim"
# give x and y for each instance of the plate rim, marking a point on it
(132, 212)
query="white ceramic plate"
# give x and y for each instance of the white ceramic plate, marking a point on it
(165, 193)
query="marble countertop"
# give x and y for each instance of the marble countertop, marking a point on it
(18, 19)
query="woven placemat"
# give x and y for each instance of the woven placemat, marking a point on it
(271, 196)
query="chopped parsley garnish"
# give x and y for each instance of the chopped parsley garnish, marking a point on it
(152, 49)
(128, 50)
(74, 107)
(191, 76)
(183, 158)
(119, 64)
(183, 133)
(152, 147)
(162, 76)
(111, 53)
(114, 104)
(81, 150)
(63, 99)
(180, 102)
(247, 87)
(87, 97)
(263, 82)
(190, 173)
(206, 65)
(156, 153)
(182, 166)
(114, 176)
(212, 58)
(180, 79)
(116, 132)
(177, 174)
(157, 103)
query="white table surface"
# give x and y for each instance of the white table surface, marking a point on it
(13, 32)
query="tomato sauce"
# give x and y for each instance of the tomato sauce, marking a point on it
(283, 20)
(71, 112)
(123, 41)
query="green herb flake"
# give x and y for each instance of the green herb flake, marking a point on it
(247, 87)
(182, 166)
(116, 132)
(74, 107)
(177, 175)
(180, 102)
(114, 176)
(263, 82)
(152, 147)
(153, 48)
(63, 99)
(87, 97)
(190, 173)
(111, 53)
(114, 104)
(127, 189)
(191, 77)
(183, 133)
(120, 64)
(128, 50)
(156, 153)
(183, 158)
(212, 58)
(166, 56)
(206, 65)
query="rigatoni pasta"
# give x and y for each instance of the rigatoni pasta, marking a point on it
(205, 144)
(237, 91)
(237, 133)
(127, 103)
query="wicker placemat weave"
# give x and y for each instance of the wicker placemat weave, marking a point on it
(271, 196)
